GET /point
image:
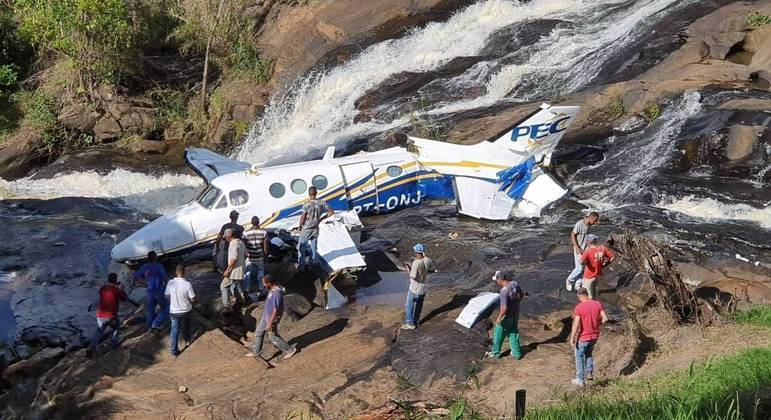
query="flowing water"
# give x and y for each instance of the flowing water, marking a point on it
(494, 52)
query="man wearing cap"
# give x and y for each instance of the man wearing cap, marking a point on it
(578, 239)
(419, 270)
(587, 318)
(221, 245)
(508, 316)
(594, 258)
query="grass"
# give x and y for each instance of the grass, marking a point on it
(756, 20)
(757, 315)
(616, 107)
(726, 388)
(651, 111)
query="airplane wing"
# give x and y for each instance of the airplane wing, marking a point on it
(209, 165)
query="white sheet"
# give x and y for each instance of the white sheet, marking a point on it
(481, 302)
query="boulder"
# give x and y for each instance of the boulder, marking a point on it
(78, 117)
(19, 153)
(107, 128)
(741, 140)
(174, 132)
(138, 119)
(630, 124)
(140, 145)
(36, 365)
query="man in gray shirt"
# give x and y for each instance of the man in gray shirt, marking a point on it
(233, 275)
(419, 270)
(314, 211)
(578, 239)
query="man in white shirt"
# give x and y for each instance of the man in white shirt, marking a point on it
(181, 297)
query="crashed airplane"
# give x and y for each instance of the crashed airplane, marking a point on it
(495, 179)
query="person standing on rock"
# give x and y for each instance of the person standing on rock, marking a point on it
(314, 211)
(594, 258)
(256, 241)
(578, 239)
(587, 318)
(153, 275)
(271, 316)
(110, 296)
(416, 293)
(181, 297)
(221, 245)
(508, 316)
(234, 272)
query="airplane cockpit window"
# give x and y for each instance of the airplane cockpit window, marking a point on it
(277, 190)
(208, 197)
(222, 204)
(298, 186)
(319, 181)
(394, 171)
(238, 197)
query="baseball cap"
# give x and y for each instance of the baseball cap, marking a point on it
(419, 248)
(591, 237)
(500, 275)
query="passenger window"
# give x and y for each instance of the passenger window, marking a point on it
(238, 197)
(319, 181)
(394, 171)
(222, 204)
(298, 186)
(277, 190)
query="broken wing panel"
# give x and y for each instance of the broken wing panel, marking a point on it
(482, 199)
(335, 244)
(476, 307)
(542, 191)
(209, 165)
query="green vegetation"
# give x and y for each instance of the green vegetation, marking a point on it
(757, 315)
(756, 19)
(652, 111)
(96, 35)
(726, 388)
(616, 107)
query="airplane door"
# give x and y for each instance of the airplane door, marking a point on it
(360, 187)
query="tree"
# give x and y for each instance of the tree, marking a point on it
(96, 35)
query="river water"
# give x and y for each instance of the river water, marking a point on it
(491, 54)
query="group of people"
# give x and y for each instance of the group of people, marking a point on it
(246, 251)
(589, 257)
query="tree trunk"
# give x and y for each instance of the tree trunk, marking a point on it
(204, 79)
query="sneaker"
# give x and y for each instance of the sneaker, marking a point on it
(291, 353)
(590, 377)
(577, 382)
(568, 285)
(490, 355)
(408, 326)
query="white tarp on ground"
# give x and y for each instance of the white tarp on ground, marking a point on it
(475, 307)
(335, 244)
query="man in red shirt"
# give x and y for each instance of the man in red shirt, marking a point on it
(107, 312)
(594, 258)
(587, 318)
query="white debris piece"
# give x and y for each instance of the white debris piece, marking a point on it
(475, 307)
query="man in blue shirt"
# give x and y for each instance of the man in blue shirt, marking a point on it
(271, 316)
(153, 275)
(508, 316)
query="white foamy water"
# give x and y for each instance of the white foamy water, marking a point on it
(319, 110)
(148, 193)
(714, 210)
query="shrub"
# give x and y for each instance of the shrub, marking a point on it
(39, 109)
(616, 107)
(757, 315)
(96, 35)
(755, 20)
(8, 75)
(652, 111)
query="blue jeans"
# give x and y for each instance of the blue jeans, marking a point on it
(576, 275)
(584, 359)
(101, 326)
(254, 273)
(306, 246)
(413, 307)
(176, 319)
(156, 298)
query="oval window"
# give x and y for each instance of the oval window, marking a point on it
(319, 181)
(394, 171)
(238, 197)
(277, 190)
(298, 186)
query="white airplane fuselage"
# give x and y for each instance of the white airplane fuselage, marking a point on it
(368, 183)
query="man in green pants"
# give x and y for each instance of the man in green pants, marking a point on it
(508, 316)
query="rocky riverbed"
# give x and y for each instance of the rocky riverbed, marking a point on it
(694, 178)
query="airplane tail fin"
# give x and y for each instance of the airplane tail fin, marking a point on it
(539, 133)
